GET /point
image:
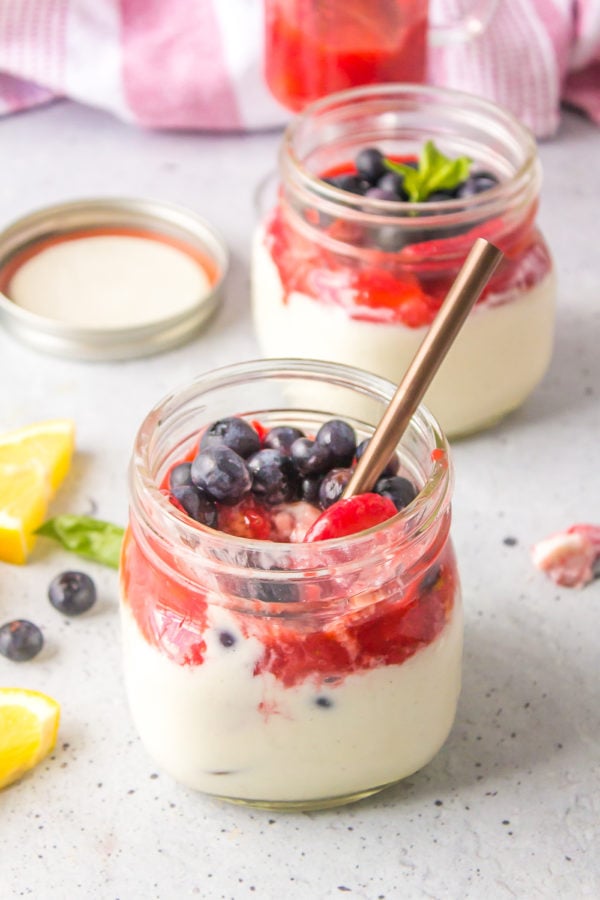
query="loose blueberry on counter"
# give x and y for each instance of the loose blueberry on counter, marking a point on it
(180, 475)
(274, 479)
(370, 165)
(340, 440)
(309, 457)
(392, 464)
(397, 489)
(222, 474)
(20, 640)
(282, 437)
(72, 593)
(333, 486)
(196, 503)
(232, 432)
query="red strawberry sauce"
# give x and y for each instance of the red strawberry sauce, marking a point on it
(172, 616)
(403, 287)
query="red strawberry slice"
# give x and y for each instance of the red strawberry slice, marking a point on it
(351, 516)
(246, 519)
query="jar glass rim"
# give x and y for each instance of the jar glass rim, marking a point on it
(526, 175)
(419, 513)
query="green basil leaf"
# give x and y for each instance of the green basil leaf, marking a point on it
(90, 538)
(435, 172)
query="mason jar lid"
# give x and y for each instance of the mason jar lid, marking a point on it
(109, 278)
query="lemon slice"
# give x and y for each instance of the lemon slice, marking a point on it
(28, 728)
(33, 463)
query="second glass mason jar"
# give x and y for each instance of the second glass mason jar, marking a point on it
(353, 279)
(289, 675)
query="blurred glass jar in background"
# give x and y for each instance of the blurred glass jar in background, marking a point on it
(356, 279)
(317, 47)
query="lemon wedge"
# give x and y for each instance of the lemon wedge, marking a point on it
(28, 728)
(33, 463)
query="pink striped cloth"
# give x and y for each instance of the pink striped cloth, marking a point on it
(197, 64)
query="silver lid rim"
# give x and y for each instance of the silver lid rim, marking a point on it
(107, 343)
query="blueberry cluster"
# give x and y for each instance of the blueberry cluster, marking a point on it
(232, 463)
(375, 181)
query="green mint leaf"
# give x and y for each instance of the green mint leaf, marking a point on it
(436, 172)
(412, 178)
(90, 538)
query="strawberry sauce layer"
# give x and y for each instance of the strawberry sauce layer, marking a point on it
(173, 618)
(404, 287)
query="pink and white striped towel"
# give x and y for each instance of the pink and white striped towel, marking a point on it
(197, 64)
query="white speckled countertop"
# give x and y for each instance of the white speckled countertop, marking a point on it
(511, 806)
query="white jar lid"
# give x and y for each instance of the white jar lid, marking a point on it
(109, 278)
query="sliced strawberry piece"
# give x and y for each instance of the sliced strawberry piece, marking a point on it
(351, 516)
(246, 520)
(295, 657)
(399, 632)
(260, 430)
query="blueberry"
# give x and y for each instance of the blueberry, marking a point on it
(440, 196)
(430, 579)
(352, 183)
(391, 238)
(325, 702)
(20, 640)
(180, 475)
(310, 458)
(309, 489)
(196, 503)
(392, 464)
(274, 479)
(72, 593)
(477, 183)
(275, 591)
(222, 474)
(377, 193)
(394, 183)
(369, 164)
(282, 437)
(234, 433)
(340, 440)
(226, 638)
(399, 490)
(333, 486)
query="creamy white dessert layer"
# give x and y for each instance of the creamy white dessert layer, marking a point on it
(496, 361)
(221, 729)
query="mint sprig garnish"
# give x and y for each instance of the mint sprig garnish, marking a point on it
(90, 538)
(435, 172)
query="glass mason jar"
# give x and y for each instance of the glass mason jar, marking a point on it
(289, 675)
(351, 279)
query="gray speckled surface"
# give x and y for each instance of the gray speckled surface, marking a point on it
(511, 805)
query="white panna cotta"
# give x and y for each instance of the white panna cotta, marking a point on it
(222, 729)
(496, 361)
